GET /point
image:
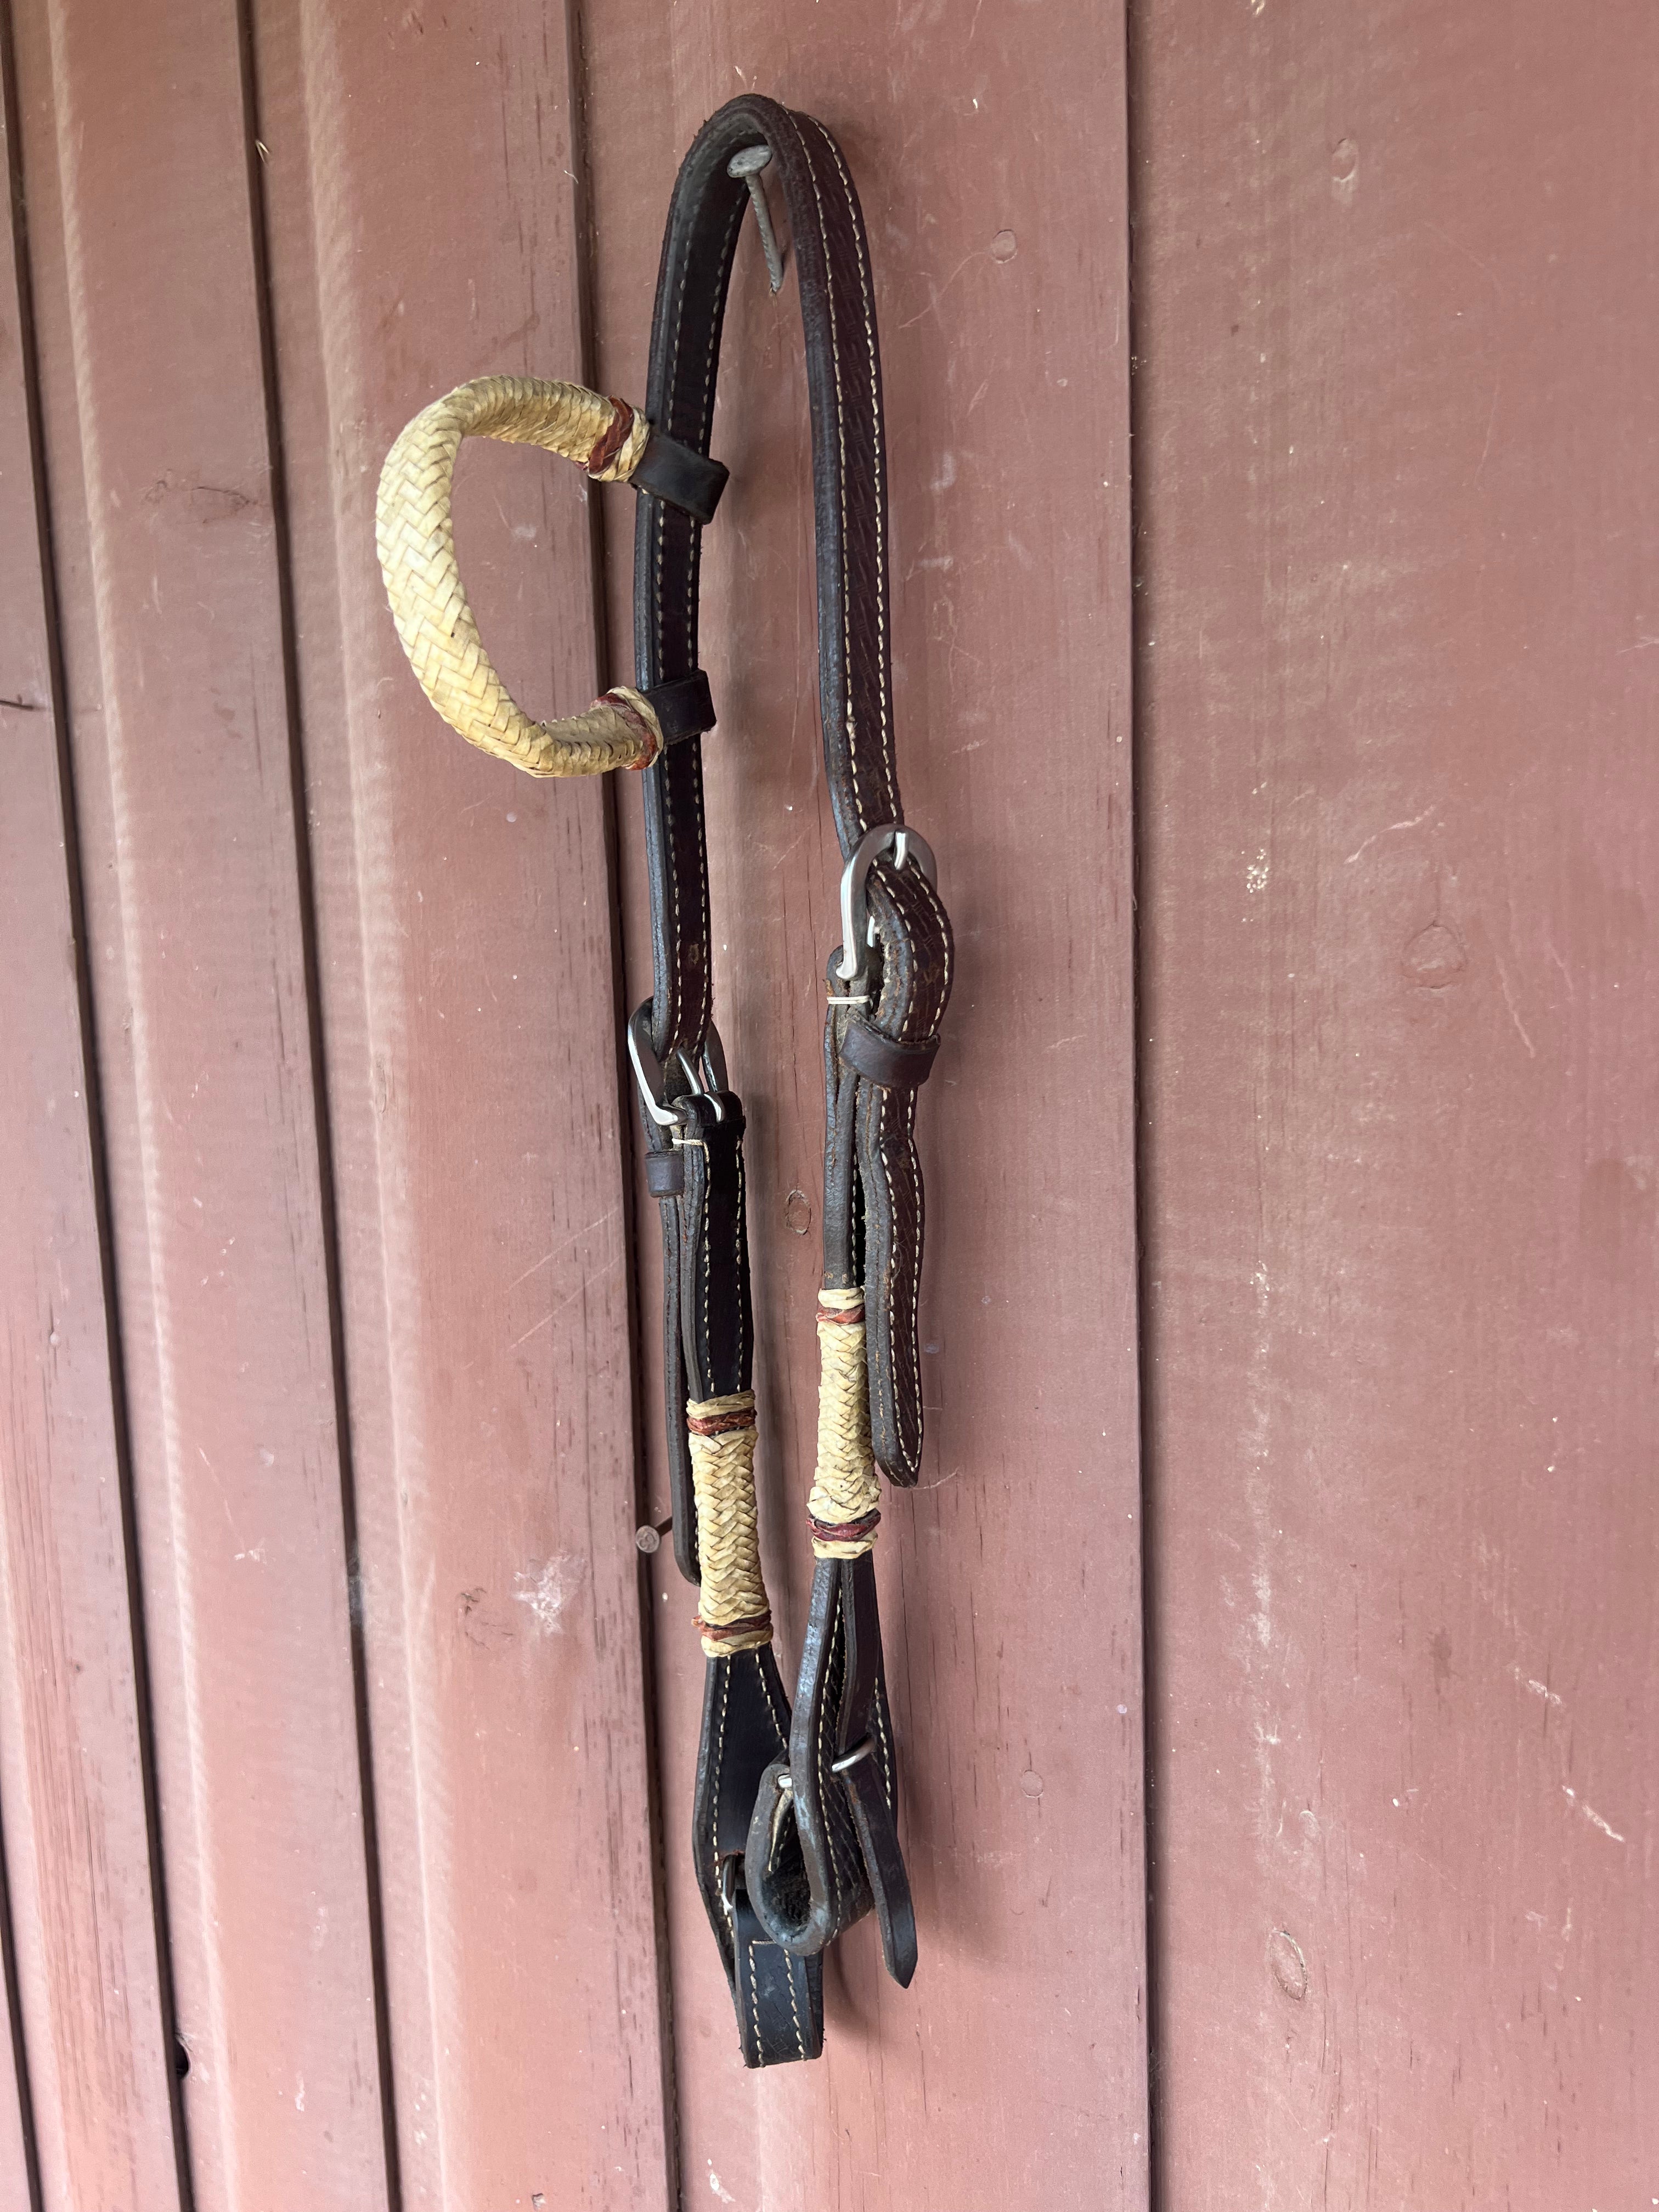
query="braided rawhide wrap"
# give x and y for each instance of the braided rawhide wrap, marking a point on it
(414, 534)
(845, 1496)
(733, 1612)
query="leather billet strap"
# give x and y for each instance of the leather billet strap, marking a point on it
(778, 1995)
(796, 1815)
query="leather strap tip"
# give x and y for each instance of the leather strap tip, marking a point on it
(664, 1174)
(901, 1962)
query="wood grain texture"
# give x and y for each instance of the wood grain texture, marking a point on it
(1013, 2071)
(94, 2070)
(422, 224)
(1396, 462)
(137, 160)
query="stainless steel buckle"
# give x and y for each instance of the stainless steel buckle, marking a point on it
(858, 930)
(783, 1789)
(708, 1083)
(848, 1759)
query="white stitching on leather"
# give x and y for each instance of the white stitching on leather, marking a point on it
(693, 572)
(906, 1444)
(772, 1708)
(945, 940)
(875, 411)
(877, 1701)
(738, 1224)
(706, 1378)
(825, 1781)
(719, 1751)
(840, 444)
(657, 616)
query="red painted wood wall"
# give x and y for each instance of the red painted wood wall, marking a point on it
(345, 1736)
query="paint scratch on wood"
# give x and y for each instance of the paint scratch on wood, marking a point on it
(1591, 1815)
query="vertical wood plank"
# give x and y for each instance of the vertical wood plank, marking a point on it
(1396, 459)
(78, 1874)
(988, 147)
(422, 209)
(137, 163)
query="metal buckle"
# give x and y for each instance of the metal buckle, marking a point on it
(783, 1787)
(849, 1759)
(668, 1113)
(858, 930)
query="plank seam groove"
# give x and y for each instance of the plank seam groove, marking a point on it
(92, 1086)
(259, 244)
(587, 236)
(1138, 517)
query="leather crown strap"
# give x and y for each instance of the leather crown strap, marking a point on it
(795, 1832)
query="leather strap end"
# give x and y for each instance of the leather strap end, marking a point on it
(664, 1174)
(884, 1864)
(881, 1060)
(680, 476)
(779, 1998)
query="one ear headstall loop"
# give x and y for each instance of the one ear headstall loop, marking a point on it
(415, 537)
(795, 1818)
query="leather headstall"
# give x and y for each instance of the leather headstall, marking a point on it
(795, 1818)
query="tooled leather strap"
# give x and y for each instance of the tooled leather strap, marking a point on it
(820, 1848)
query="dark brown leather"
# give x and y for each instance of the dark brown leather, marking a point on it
(789, 1850)
(777, 1997)
(868, 1053)
(676, 473)
(684, 709)
(840, 1829)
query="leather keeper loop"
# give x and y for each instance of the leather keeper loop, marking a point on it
(683, 709)
(879, 1060)
(685, 479)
